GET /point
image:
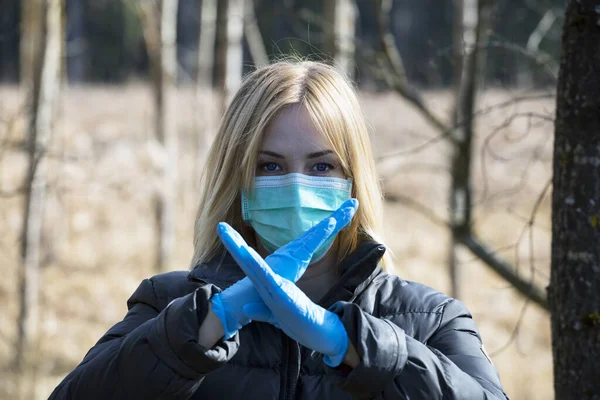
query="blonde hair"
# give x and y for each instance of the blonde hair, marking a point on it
(333, 106)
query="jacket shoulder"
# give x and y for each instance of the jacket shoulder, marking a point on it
(417, 308)
(159, 290)
(397, 295)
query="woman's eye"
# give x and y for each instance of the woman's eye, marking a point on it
(270, 167)
(323, 167)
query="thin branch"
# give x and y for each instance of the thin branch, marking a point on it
(416, 149)
(545, 60)
(397, 78)
(416, 206)
(506, 271)
(515, 332)
(541, 30)
(415, 167)
(476, 114)
(525, 219)
(486, 148)
(12, 193)
(10, 124)
(481, 251)
(525, 171)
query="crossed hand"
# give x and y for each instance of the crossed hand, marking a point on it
(269, 293)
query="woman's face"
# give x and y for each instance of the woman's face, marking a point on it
(293, 144)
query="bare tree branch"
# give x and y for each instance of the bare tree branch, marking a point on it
(540, 31)
(12, 193)
(415, 205)
(397, 78)
(415, 149)
(506, 271)
(539, 57)
(515, 332)
(476, 114)
(393, 70)
(487, 149)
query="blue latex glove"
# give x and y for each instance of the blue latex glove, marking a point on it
(290, 261)
(287, 307)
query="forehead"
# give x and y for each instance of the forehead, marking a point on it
(293, 130)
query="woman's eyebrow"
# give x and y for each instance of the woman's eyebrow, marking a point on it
(319, 154)
(311, 155)
(272, 154)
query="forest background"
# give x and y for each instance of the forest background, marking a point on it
(459, 96)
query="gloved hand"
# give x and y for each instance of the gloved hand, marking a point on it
(290, 260)
(287, 307)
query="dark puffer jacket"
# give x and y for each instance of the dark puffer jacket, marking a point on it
(414, 343)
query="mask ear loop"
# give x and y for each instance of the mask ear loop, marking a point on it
(244, 201)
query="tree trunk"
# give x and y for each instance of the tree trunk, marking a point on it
(205, 100)
(574, 291)
(206, 43)
(474, 25)
(42, 109)
(339, 29)
(254, 38)
(32, 32)
(230, 32)
(168, 132)
(160, 27)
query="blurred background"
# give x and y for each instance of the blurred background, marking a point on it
(108, 107)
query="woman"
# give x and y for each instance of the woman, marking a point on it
(293, 147)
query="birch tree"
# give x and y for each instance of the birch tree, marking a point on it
(339, 29)
(159, 19)
(44, 88)
(574, 291)
(230, 34)
(470, 26)
(254, 37)
(206, 43)
(204, 80)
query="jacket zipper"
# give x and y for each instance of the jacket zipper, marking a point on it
(291, 363)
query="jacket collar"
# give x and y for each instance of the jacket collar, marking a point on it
(357, 270)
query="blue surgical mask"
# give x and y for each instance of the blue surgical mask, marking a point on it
(283, 207)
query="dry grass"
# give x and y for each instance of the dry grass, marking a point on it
(99, 227)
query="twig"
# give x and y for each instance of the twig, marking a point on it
(413, 150)
(486, 147)
(541, 30)
(415, 205)
(539, 57)
(476, 114)
(515, 331)
(12, 193)
(397, 78)
(506, 271)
